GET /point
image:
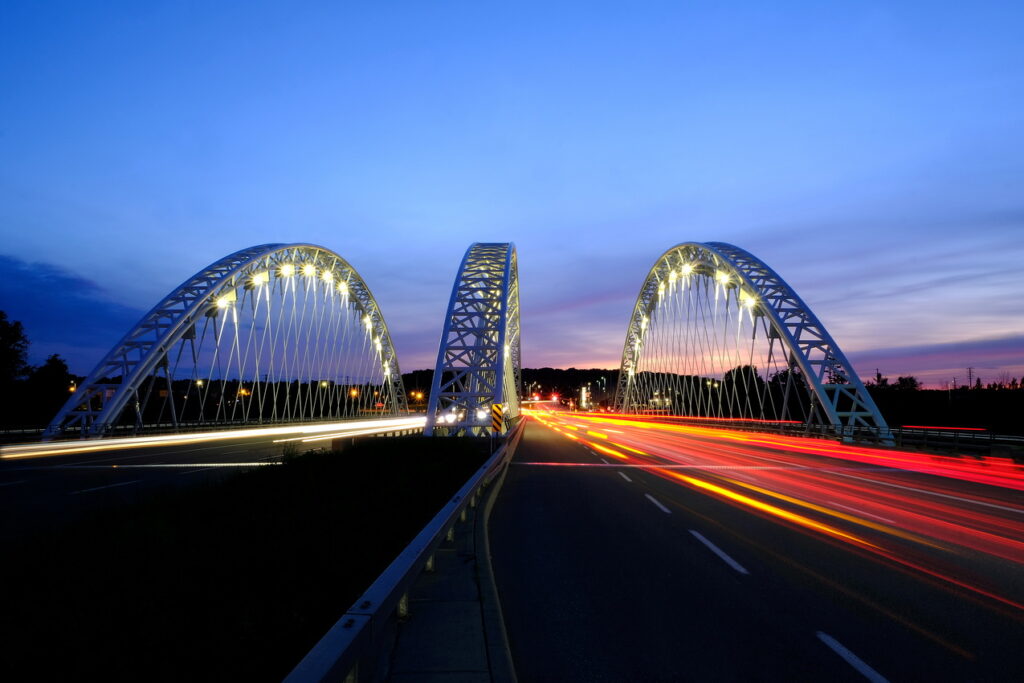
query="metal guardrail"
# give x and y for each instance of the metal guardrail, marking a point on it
(356, 639)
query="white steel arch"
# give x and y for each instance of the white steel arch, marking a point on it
(839, 399)
(478, 362)
(317, 277)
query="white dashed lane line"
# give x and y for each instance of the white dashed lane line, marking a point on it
(623, 475)
(853, 660)
(721, 553)
(657, 503)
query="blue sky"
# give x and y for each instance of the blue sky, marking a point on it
(872, 153)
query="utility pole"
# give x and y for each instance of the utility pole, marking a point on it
(970, 377)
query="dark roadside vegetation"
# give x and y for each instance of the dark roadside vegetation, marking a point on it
(234, 580)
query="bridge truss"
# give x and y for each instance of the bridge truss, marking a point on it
(478, 360)
(716, 333)
(275, 333)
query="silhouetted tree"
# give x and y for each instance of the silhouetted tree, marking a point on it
(909, 383)
(13, 350)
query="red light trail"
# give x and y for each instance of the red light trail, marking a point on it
(930, 515)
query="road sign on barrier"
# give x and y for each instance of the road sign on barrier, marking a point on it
(497, 421)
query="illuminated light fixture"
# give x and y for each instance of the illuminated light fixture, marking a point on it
(328, 276)
(722, 276)
(199, 382)
(323, 383)
(367, 322)
(508, 350)
(353, 392)
(481, 414)
(747, 299)
(227, 299)
(342, 287)
(309, 270)
(376, 342)
(643, 323)
(449, 418)
(260, 278)
(387, 371)
(686, 269)
(672, 276)
(287, 270)
(661, 289)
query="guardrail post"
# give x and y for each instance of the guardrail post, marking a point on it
(403, 606)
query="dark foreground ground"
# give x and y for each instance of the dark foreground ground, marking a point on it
(230, 580)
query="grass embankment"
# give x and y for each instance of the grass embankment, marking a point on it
(232, 581)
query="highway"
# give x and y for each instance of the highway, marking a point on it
(632, 549)
(44, 485)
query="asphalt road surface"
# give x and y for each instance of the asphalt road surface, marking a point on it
(624, 552)
(42, 491)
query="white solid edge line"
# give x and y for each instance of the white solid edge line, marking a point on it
(623, 475)
(721, 553)
(1019, 511)
(108, 486)
(655, 501)
(853, 660)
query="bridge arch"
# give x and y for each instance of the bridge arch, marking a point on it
(742, 304)
(272, 333)
(478, 361)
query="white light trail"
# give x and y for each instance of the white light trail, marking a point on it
(342, 429)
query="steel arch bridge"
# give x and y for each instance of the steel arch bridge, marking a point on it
(478, 361)
(273, 333)
(716, 333)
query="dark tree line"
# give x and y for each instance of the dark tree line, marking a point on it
(29, 395)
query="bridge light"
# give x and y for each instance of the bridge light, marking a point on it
(643, 323)
(261, 278)
(342, 287)
(722, 276)
(199, 382)
(287, 270)
(226, 299)
(686, 269)
(323, 383)
(481, 415)
(747, 299)
(328, 276)
(309, 270)
(672, 276)
(367, 322)
(353, 392)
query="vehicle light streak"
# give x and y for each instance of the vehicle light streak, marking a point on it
(96, 445)
(944, 519)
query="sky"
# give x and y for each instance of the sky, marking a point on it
(872, 153)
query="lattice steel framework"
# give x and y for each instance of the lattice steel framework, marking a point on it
(478, 359)
(273, 333)
(719, 285)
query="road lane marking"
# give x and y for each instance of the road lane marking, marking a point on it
(108, 486)
(604, 461)
(1019, 511)
(623, 475)
(721, 553)
(853, 660)
(859, 512)
(655, 501)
